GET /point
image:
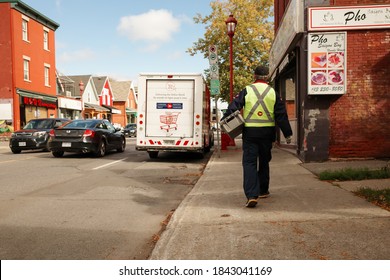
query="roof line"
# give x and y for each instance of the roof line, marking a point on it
(32, 13)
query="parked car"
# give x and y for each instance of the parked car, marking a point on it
(86, 136)
(34, 134)
(130, 130)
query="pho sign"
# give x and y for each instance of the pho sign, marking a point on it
(351, 17)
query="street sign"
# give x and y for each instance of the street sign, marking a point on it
(214, 72)
(213, 60)
(214, 83)
(213, 57)
(214, 87)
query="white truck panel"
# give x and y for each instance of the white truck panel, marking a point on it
(170, 108)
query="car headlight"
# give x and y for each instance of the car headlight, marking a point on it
(39, 133)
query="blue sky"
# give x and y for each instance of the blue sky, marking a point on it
(123, 38)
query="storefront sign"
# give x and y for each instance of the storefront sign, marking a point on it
(327, 58)
(71, 104)
(353, 17)
(38, 103)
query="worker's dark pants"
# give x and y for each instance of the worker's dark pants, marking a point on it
(255, 161)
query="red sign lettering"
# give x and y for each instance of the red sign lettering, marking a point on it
(38, 103)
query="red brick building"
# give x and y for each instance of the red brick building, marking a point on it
(28, 70)
(331, 60)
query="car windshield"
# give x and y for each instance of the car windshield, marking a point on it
(81, 124)
(39, 124)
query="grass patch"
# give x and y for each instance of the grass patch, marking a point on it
(378, 197)
(350, 174)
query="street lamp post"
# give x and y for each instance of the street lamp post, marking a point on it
(231, 23)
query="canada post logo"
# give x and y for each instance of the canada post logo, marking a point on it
(169, 106)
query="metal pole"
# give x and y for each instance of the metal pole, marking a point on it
(218, 130)
(231, 141)
(231, 67)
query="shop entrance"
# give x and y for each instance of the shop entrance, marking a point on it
(287, 89)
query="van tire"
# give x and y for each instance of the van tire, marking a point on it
(153, 154)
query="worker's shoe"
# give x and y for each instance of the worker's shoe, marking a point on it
(264, 195)
(252, 202)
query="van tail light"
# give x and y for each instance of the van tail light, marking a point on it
(52, 133)
(89, 133)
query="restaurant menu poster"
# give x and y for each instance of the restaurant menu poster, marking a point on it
(327, 63)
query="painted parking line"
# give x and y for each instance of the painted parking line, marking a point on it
(109, 164)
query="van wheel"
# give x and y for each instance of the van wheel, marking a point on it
(201, 155)
(153, 154)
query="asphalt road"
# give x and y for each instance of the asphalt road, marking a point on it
(81, 207)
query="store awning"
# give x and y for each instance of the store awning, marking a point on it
(31, 94)
(95, 107)
(113, 110)
(130, 111)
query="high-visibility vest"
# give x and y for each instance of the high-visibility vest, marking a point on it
(259, 105)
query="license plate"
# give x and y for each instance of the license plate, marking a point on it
(22, 144)
(169, 142)
(66, 144)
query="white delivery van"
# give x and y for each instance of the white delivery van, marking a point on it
(173, 114)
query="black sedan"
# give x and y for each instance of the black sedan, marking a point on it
(86, 136)
(130, 130)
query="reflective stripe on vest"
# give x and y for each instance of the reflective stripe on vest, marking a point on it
(259, 108)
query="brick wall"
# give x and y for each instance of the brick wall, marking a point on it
(360, 119)
(5, 52)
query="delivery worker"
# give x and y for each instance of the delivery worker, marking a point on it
(263, 109)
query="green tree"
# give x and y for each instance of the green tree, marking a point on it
(251, 42)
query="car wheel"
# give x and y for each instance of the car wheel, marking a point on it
(153, 154)
(123, 146)
(57, 153)
(16, 151)
(101, 149)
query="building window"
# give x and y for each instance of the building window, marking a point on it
(45, 39)
(47, 75)
(26, 68)
(25, 28)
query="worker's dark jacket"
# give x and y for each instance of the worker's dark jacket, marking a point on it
(281, 118)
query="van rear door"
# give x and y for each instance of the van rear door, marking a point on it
(170, 108)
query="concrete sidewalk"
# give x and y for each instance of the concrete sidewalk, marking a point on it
(303, 219)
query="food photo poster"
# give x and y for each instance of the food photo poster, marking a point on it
(327, 63)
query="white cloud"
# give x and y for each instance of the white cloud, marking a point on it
(79, 55)
(154, 27)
